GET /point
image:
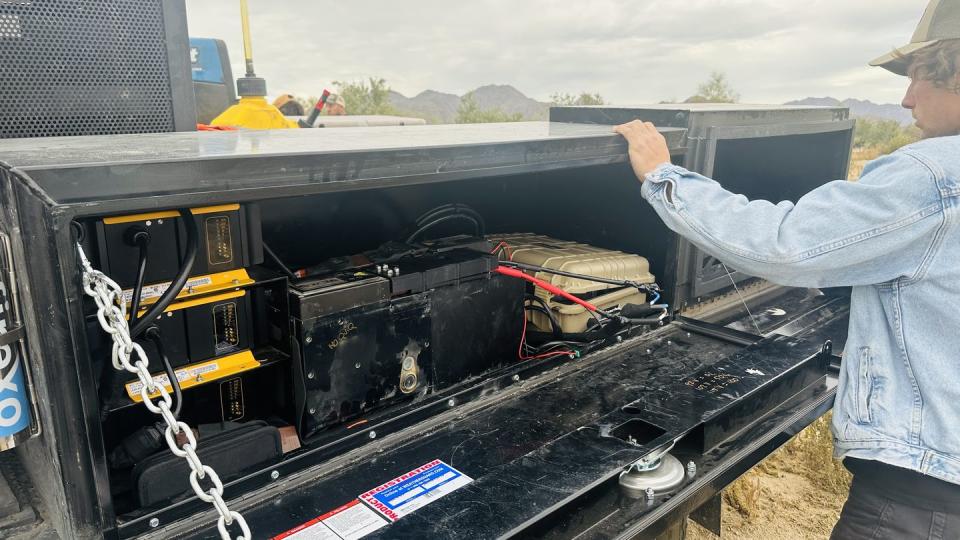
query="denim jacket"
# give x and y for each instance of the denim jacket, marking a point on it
(893, 235)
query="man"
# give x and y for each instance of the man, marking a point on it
(336, 105)
(895, 237)
(288, 105)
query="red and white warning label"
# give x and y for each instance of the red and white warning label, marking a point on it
(349, 522)
(414, 490)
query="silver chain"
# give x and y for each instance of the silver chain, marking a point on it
(111, 312)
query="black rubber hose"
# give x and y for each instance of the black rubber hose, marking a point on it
(143, 240)
(178, 282)
(283, 268)
(153, 334)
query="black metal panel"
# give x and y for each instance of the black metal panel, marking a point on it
(74, 67)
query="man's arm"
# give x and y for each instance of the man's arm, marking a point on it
(878, 229)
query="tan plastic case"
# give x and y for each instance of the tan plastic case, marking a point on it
(579, 259)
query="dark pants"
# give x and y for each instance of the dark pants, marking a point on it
(873, 512)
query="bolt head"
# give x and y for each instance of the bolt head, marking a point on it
(274, 475)
(313, 410)
(159, 222)
(650, 493)
(515, 378)
(451, 402)
(373, 434)
(149, 223)
(357, 365)
(309, 339)
(154, 523)
(311, 375)
(619, 339)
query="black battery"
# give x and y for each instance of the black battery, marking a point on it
(198, 330)
(363, 359)
(228, 239)
(380, 335)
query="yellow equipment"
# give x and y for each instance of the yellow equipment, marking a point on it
(252, 111)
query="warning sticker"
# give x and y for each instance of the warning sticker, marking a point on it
(350, 521)
(414, 490)
(156, 291)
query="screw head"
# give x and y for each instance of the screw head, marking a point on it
(311, 375)
(619, 339)
(149, 223)
(515, 378)
(154, 523)
(313, 410)
(373, 434)
(357, 365)
(159, 222)
(308, 339)
(650, 493)
(451, 402)
(274, 475)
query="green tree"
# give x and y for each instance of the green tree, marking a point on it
(469, 112)
(362, 97)
(883, 135)
(564, 99)
(716, 89)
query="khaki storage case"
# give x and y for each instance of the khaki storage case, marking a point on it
(578, 259)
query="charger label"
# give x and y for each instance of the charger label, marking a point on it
(415, 489)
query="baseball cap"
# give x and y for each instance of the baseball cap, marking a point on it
(940, 21)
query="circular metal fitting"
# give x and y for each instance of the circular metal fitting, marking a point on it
(668, 474)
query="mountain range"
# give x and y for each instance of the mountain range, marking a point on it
(441, 108)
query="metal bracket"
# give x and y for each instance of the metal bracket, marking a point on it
(710, 515)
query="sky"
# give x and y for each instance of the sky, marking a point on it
(628, 51)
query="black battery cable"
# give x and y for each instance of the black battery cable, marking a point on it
(153, 334)
(178, 282)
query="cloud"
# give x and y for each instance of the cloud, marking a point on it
(630, 52)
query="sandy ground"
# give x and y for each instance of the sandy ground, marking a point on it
(795, 494)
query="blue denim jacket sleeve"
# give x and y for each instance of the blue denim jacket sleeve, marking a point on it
(878, 229)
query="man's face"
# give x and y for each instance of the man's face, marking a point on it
(936, 109)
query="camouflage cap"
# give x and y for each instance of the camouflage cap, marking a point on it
(940, 21)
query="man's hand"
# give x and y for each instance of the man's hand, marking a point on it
(648, 148)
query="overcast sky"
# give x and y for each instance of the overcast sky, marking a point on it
(629, 51)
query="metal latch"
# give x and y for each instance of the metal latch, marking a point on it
(18, 412)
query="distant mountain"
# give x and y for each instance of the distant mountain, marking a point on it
(862, 108)
(435, 107)
(439, 107)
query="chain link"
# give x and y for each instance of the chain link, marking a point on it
(111, 313)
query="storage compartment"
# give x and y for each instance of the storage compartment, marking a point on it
(384, 304)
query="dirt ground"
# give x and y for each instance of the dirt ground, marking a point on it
(795, 494)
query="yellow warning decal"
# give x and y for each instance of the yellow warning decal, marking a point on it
(200, 373)
(132, 218)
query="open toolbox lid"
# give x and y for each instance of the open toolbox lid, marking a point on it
(511, 460)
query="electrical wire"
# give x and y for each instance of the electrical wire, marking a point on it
(545, 309)
(283, 268)
(453, 208)
(153, 334)
(464, 217)
(608, 281)
(513, 272)
(143, 240)
(178, 282)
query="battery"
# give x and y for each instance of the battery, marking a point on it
(576, 258)
(228, 241)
